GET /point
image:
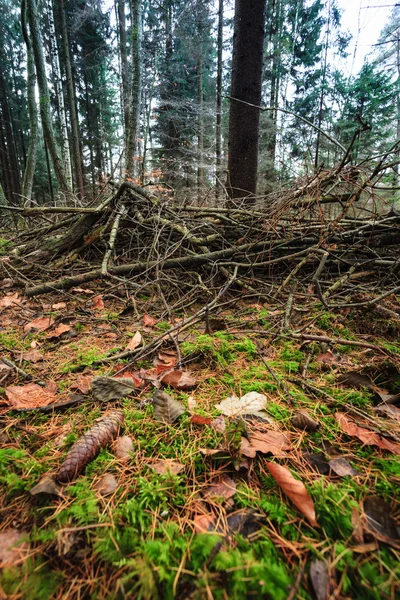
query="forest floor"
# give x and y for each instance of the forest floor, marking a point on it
(277, 504)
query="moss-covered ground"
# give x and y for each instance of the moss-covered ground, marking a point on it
(142, 541)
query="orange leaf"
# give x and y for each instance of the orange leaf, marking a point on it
(273, 442)
(369, 438)
(149, 321)
(98, 303)
(135, 341)
(295, 490)
(31, 395)
(179, 380)
(59, 330)
(10, 300)
(199, 420)
(39, 324)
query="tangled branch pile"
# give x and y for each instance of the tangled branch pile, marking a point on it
(332, 231)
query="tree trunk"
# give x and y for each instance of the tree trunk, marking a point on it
(11, 164)
(44, 96)
(131, 143)
(76, 142)
(200, 133)
(27, 183)
(247, 60)
(322, 95)
(124, 62)
(218, 125)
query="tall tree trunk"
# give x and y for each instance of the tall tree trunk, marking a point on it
(44, 96)
(200, 133)
(76, 142)
(323, 83)
(247, 60)
(218, 125)
(124, 62)
(4, 163)
(12, 157)
(274, 92)
(55, 56)
(131, 144)
(27, 183)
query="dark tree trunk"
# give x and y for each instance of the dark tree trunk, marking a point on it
(247, 60)
(12, 157)
(218, 129)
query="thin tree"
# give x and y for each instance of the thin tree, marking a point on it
(218, 125)
(27, 183)
(124, 61)
(247, 60)
(132, 134)
(44, 95)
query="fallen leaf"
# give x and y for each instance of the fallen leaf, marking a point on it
(191, 404)
(166, 409)
(295, 490)
(59, 305)
(328, 358)
(378, 521)
(135, 341)
(249, 403)
(106, 485)
(32, 356)
(219, 424)
(149, 321)
(163, 467)
(10, 300)
(388, 410)
(303, 420)
(179, 380)
(318, 462)
(83, 291)
(6, 283)
(39, 324)
(225, 487)
(98, 303)
(342, 467)
(123, 448)
(360, 381)
(358, 530)
(369, 438)
(203, 523)
(167, 358)
(273, 442)
(30, 395)
(200, 420)
(58, 332)
(12, 547)
(82, 383)
(112, 388)
(319, 575)
(47, 485)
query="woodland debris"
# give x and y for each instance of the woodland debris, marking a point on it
(123, 448)
(106, 485)
(250, 403)
(112, 388)
(166, 408)
(167, 465)
(303, 420)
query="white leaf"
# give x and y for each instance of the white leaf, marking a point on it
(250, 403)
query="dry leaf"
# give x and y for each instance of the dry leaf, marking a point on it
(200, 420)
(98, 303)
(191, 404)
(295, 490)
(123, 448)
(58, 332)
(219, 424)
(6, 283)
(225, 487)
(179, 380)
(369, 438)
(39, 324)
(83, 291)
(149, 321)
(318, 462)
(47, 485)
(273, 442)
(88, 445)
(388, 410)
(135, 341)
(167, 465)
(59, 305)
(30, 395)
(32, 356)
(167, 358)
(303, 420)
(319, 575)
(106, 485)
(166, 409)
(342, 467)
(378, 521)
(249, 403)
(358, 530)
(12, 548)
(203, 523)
(10, 300)
(112, 388)
(82, 383)
(360, 380)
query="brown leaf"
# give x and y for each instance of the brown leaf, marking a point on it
(59, 330)
(303, 420)
(168, 358)
(83, 291)
(358, 530)
(98, 303)
(273, 442)
(166, 409)
(10, 300)
(319, 575)
(342, 467)
(30, 395)
(112, 388)
(12, 548)
(106, 485)
(59, 305)
(219, 424)
(379, 522)
(89, 444)
(369, 438)
(179, 380)
(295, 490)
(200, 420)
(39, 324)
(135, 341)
(82, 383)
(149, 321)
(123, 448)
(203, 523)
(47, 485)
(167, 465)
(360, 381)
(328, 358)
(32, 356)
(388, 410)
(246, 448)
(225, 487)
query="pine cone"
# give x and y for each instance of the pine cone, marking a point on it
(88, 446)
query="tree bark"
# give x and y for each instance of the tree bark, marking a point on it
(247, 60)
(44, 95)
(218, 125)
(131, 144)
(27, 183)
(11, 164)
(76, 142)
(200, 133)
(124, 62)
